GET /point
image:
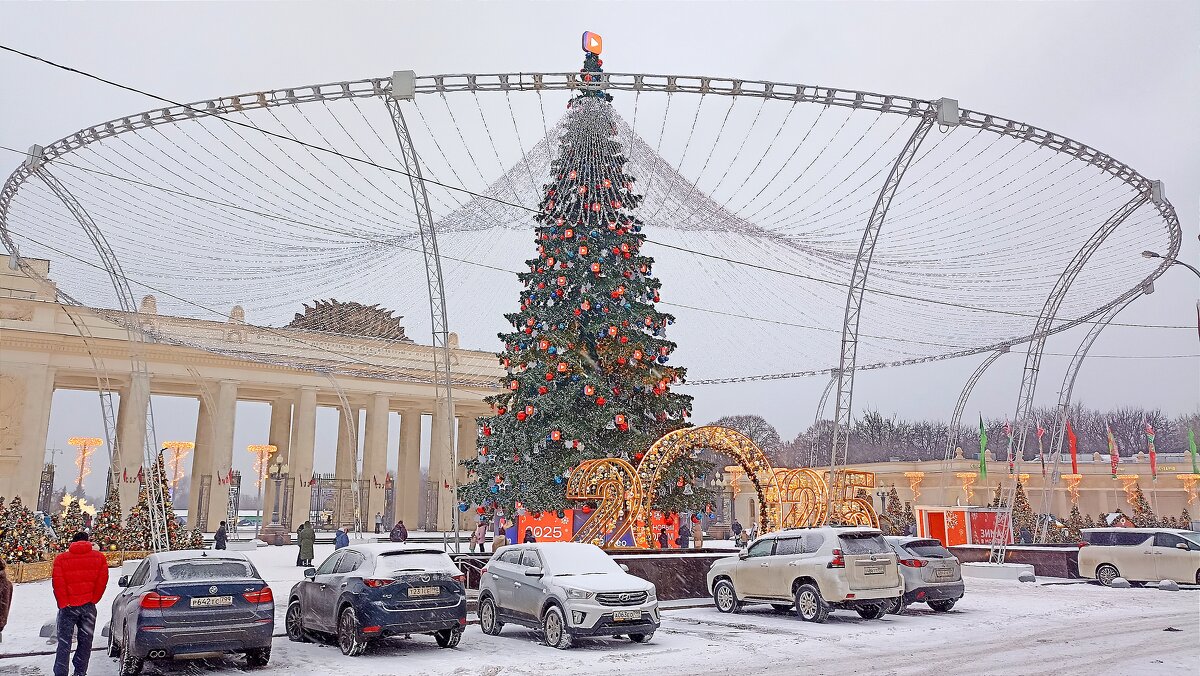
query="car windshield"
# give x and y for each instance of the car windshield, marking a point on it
(929, 549)
(213, 569)
(578, 560)
(863, 543)
(394, 563)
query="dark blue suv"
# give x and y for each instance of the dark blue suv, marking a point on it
(191, 604)
(365, 592)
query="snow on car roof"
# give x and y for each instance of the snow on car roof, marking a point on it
(185, 554)
(1119, 529)
(380, 548)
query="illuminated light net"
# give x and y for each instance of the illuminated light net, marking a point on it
(204, 214)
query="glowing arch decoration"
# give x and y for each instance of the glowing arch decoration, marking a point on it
(614, 483)
(846, 509)
(684, 442)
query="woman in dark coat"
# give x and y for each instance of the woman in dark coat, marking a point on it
(399, 532)
(307, 538)
(221, 537)
(529, 538)
(6, 588)
(664, 542)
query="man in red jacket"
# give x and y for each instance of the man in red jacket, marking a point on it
(80, 575)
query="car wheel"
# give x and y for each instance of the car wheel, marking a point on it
(725, 597)
(641, 638)
(1106, 573)
(348, 639)
(809, 604)
(873, 612)
(131, 665)
(114, 650)
(258, 657)
(1198, 577)
(782, 607)
(943, 605)
(448, 638)
(554, 629)
(896, 606)
(489, 622)
(293, 622)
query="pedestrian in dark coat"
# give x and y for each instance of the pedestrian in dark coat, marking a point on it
(340, 539)
(737, 530)
(399, 532)
(221, 537)
(79, 575)
(685, 536)
(664, 542)
(529, 538)
(307, 538)
(6, 588)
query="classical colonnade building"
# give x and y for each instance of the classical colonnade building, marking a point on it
(46, 346)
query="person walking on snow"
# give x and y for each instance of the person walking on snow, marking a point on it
(685, 537)
(79, 576)
(221, 537)
(478, 537)
(378, 523)
(307, 538)
(340, 539)
(6, 587)
(664, 542)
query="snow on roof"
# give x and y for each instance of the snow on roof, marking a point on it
(378, 548)
(184, 554)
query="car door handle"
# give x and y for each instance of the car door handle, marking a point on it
(495, 576)
(794, 564)
(516, 584)
(763, 565)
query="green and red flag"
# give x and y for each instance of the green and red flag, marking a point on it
(1153, 455)
(1114, 454)
(983, 449)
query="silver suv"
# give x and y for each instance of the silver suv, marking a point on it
(813, 570)
(565, 590)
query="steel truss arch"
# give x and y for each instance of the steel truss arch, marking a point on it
(854, 296)
(1065, 394)
(814, 450)
(140, 376)
(961, 404)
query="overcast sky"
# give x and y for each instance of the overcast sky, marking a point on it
(1120, 76)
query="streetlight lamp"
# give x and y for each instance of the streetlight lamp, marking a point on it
(279, 469)
(262, 454)
(1176, 261)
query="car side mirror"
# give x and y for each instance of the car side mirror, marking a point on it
(1181, 545)
(624, 567)
(743, 555)
(310, 573)
(534, 572)
(123, 581)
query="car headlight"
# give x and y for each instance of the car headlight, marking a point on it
(579, 593)
(653, 595)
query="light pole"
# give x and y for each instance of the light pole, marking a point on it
(1176, 261)
(262, 454)
(279, 469)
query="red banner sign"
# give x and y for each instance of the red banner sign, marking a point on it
(548, 527)
(984, 526)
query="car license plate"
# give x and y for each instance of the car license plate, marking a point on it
(424, 591)
(873, 570)
(624, 615)
(212, 601)
(945, 572)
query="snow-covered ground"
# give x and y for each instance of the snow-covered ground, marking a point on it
(1000, 627)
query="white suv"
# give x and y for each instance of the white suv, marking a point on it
(1140, 555)
(565, 589)
(814, 570)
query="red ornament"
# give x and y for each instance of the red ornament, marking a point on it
(585, 509)
(624, 339)
(487, 431)
(561, 281)
(619, 419)
(600, 401)
(586, 305)
(483, 450)
(479, 510)
(549, 376)
(562, 367)
(583, 250)
(528, 410)
(513, 385)
(596, 268)
(596, 206)
(521, 415)
(542, 390)
(589, 390)
(612, 331)
(556, 435)
(568, 233)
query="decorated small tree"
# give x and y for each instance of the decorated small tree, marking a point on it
(896, 513)
(1023, 516)
(1143, 514)
(1185, 519)
(22, 536)
(137, 526)
(72, 522)
(107, 531)
(1075, 523)
(197, 541)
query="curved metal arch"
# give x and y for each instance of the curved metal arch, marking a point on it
(854, 296)
(157, 512)
(956, 418)
(812, 454)
(505, 82)
(1065, 395)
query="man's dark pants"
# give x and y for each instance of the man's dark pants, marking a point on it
(70, 619)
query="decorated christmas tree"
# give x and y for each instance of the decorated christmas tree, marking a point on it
(107, 531)
(896, 512)
(1023, 516)
(1143, 514)
(137, 527)
(1185, 519)
(22, 536)
(586, 361)
(197, 540)
(996, 498)
(1075, 524)
(72, 522)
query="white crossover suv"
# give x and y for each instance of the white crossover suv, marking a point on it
(565, 590)
(813, 570)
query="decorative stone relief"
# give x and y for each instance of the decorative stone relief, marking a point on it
(12, 398)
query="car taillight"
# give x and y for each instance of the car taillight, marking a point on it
(838, 560)
(1082, 544)
(460, 578)
(483, 571)
(156, 601)
(374, 582)
(263, 595)
(914, 563)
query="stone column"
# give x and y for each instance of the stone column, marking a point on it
(374, 468)
(440, 471)
(279, 437)
(224, 415)
(301, 451)
(201, 467)
(468, 431)
(408, 468)
(131, 437)
(26, 392)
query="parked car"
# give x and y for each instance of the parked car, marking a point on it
(931, 573)
(565, 590)
(814, 571)
(1140, 555)
(188, 604)
(366, 592)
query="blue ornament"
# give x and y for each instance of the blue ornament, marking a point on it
(553, 350)
(558, 480)
(575, 378)
(662, 359)
(493, 489)
(462, 507)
